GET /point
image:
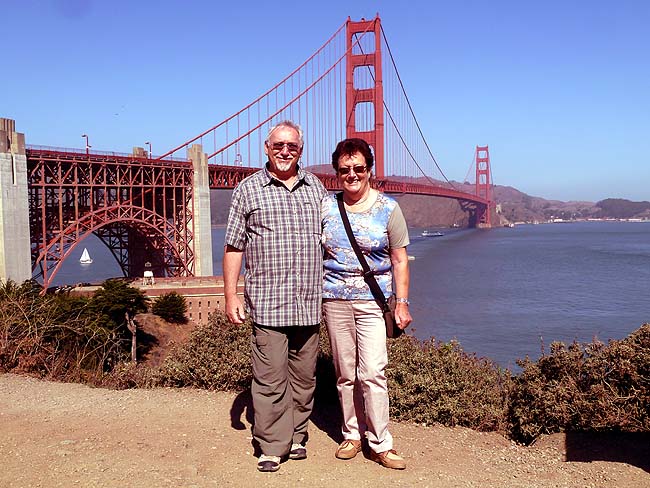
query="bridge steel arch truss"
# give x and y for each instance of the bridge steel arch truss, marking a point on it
(141, 209)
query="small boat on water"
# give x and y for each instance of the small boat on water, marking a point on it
(85, 257)
(411, 258)
(428, 233)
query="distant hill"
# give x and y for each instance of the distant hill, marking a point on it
(519, 207)
(515, 206)
(623, 209)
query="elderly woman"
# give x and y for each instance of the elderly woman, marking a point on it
(354, 319)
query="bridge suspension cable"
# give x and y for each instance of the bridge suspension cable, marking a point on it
(408, 102)
(314, 96)
(311, 95)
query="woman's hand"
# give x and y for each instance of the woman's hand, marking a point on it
(402, 315)
(400, 263)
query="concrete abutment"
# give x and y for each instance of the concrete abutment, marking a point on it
(15, 252)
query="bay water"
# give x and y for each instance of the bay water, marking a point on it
(502, 293)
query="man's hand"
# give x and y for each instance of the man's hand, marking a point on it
(232, 260)
(235, 310)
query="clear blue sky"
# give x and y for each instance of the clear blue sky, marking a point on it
(559, 89)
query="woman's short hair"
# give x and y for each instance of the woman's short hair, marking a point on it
(349, 147)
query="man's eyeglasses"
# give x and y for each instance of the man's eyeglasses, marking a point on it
(277, 147)
(344, 170)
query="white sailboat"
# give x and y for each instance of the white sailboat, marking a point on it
(85, 257)
(428, 233)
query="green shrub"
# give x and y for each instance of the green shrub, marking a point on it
(216, 357)
(113, 301)
(427, 383)
(437, 382)
(53, 336)
(170, 306)
(594, 387)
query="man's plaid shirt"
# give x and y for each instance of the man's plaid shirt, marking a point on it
(279, 231)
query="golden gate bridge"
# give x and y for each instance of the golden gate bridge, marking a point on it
(154, 211)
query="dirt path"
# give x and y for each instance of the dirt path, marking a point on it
(54, 434)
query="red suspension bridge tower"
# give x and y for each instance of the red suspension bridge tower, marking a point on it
(483, 185)
(370, 100)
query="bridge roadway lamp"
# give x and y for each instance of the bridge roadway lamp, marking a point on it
(149, 144)
(88, 146)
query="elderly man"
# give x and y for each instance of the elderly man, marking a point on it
(275, 221)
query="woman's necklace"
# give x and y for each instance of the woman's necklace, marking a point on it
(361, 202)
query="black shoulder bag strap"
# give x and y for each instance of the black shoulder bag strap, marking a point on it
(368, 274)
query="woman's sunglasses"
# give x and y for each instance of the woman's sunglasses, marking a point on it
(357, 169)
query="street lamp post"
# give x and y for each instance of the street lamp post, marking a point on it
(149, 144)
(88, 146)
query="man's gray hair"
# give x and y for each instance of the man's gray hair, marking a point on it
(290, 124)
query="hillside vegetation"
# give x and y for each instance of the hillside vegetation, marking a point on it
(516, 206)
(619, 208)
(519, 207)
(580, 387)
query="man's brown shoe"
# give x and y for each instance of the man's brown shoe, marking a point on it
(388, 459)
(348, 449)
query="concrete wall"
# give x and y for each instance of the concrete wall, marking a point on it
(202, 220)
(15, 256)
(203, 296)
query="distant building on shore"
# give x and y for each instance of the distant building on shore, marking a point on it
(203, 294)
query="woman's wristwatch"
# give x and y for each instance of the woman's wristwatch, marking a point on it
(402, 300)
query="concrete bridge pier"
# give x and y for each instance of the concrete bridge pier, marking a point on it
(15, 254)
(202, 217)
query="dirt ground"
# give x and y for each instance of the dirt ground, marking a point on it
(64, 435)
